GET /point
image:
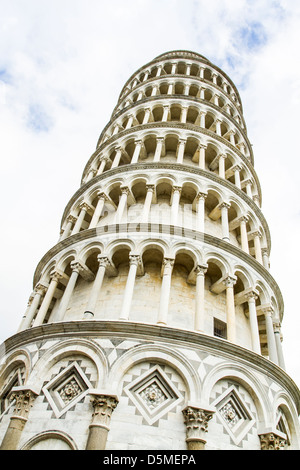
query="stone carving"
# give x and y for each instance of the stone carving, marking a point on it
(196, 421)
(272, 441)
(70, 390)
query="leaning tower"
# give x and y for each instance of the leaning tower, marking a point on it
(154, 321)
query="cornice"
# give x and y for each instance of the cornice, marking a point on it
(158, 333)
(190, 234)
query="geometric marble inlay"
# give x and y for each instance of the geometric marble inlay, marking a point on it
(153, 394)
(234, 413)
(66, 389)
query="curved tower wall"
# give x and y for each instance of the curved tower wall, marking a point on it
(156, 306)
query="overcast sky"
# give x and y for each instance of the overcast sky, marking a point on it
(63, 64)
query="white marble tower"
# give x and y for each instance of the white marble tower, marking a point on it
(154, 322)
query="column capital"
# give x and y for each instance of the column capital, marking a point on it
(150, 187)
(85, 206)
(103, 407)
(224, 205)
(176, 189)
(251, 295)
(102, 195)
(272, 441)
(76, 266)
(244, 218)
(104, 261)
(40, 288)
(168, 263)
(196, 420)
(201, 269)
(55, 276)
(135, 260)
(24, 397)
(202, 146)
(71, 218)
(229, 281)
(201, 195)
(125, 190)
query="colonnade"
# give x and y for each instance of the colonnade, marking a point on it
(188, 69)
(187, 151)
(219, 118)
(45, 295)
(74, 225)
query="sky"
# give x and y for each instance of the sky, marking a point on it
(63, 64)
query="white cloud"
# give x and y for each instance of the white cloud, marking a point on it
(62, 67)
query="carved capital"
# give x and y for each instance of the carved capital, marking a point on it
(71, 218)
(103, 261)
(24, 401)
(201, 269)
(271, 441)
(196, 421)
(135, 259)
(201, 196)
(103, 407)
(230, 281)
(85, 206)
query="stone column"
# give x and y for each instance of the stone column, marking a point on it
(196, 421)
(83, 210)
(159, 144)
(257, 247)
(55, 278)
(71, 220)
(180, 152)
(176, 190)
(165, 113)
(183, 114)
(249, 188)
(103, 161)
(147, 204)
(117, 158)
(24, 400)
(272, 441)
(277, 334)
(39, 291)
(218, 126)
(136, 153)
(230, 308)
(200, 211)
(90, 309)
(134, 261)
(146, 116)
(129, 122)
(224, 217)
(244, 236)
(165, 291)
(237, 179)
(103, 406)
(75, 266)
(199, 304)
(202, 113)
(122, 204)
(202, 149)
(222, 159)
(265, 257)
(251, 297)
(102, 198)
(270, 335)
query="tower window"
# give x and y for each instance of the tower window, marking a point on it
(220, 329)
